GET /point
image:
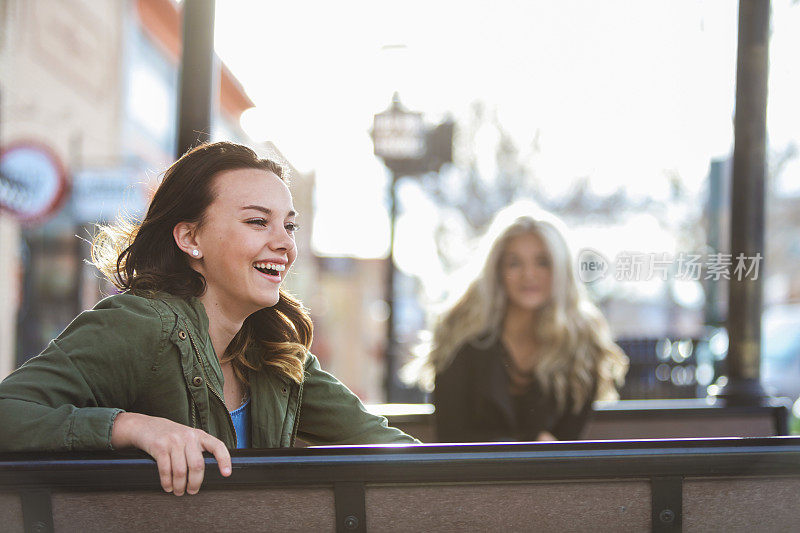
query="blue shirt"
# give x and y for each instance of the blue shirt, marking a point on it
(241, 423)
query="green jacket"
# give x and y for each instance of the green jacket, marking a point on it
(154, 356)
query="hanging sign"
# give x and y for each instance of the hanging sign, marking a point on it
(103, 194)
(33, 182)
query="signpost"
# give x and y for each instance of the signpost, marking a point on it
(407, 147)
(33, 181)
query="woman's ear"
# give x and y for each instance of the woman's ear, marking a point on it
(184, 235)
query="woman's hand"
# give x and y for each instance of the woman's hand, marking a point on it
(177, 449)
(546, 436)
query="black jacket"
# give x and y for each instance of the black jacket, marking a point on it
(473, 403)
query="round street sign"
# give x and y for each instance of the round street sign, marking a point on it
(33, 182)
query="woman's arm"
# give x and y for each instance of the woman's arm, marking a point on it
(452, 397)
(68, 397)
(61, 402)
(331, 414)
(571, 424)
(74, 395)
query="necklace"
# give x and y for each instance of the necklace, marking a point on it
(517, 369)
(520, 380)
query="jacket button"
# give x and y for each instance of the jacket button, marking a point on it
(182, 335)
(197, 381)
(284, 390)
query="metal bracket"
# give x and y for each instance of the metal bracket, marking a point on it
(667, 503)
(781, 415)
(351, 514)
(37, 511)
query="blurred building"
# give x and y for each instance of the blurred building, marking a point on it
(717, 224)
(782, 248)
(94, 85)
(350, 313)
(673, 358)
(781, 240)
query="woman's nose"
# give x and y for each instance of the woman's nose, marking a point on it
(282, 241)
(534, 271)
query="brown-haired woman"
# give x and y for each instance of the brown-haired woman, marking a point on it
(202, 350)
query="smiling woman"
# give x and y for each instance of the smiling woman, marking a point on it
(522, 353)
(241, 246)
(202, 350)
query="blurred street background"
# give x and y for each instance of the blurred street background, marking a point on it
(617, 116)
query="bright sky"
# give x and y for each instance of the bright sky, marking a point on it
(620, 91)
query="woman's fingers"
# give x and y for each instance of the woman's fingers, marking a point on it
(196, 468)
(220, 452)
(164, 464)
(177, 449)
(179, 469)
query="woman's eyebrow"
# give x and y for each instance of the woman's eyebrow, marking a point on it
(266, 210)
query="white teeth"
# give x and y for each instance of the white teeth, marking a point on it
(271, 266)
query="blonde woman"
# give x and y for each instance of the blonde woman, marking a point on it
(522, 353)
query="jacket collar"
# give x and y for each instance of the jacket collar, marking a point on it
(193, 313)
(192, 309)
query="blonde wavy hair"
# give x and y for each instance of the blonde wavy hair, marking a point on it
(143, 259)
(577, 349)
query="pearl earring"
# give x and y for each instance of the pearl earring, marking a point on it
(195, 252)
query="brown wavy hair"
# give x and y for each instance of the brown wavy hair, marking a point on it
(143, 259)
